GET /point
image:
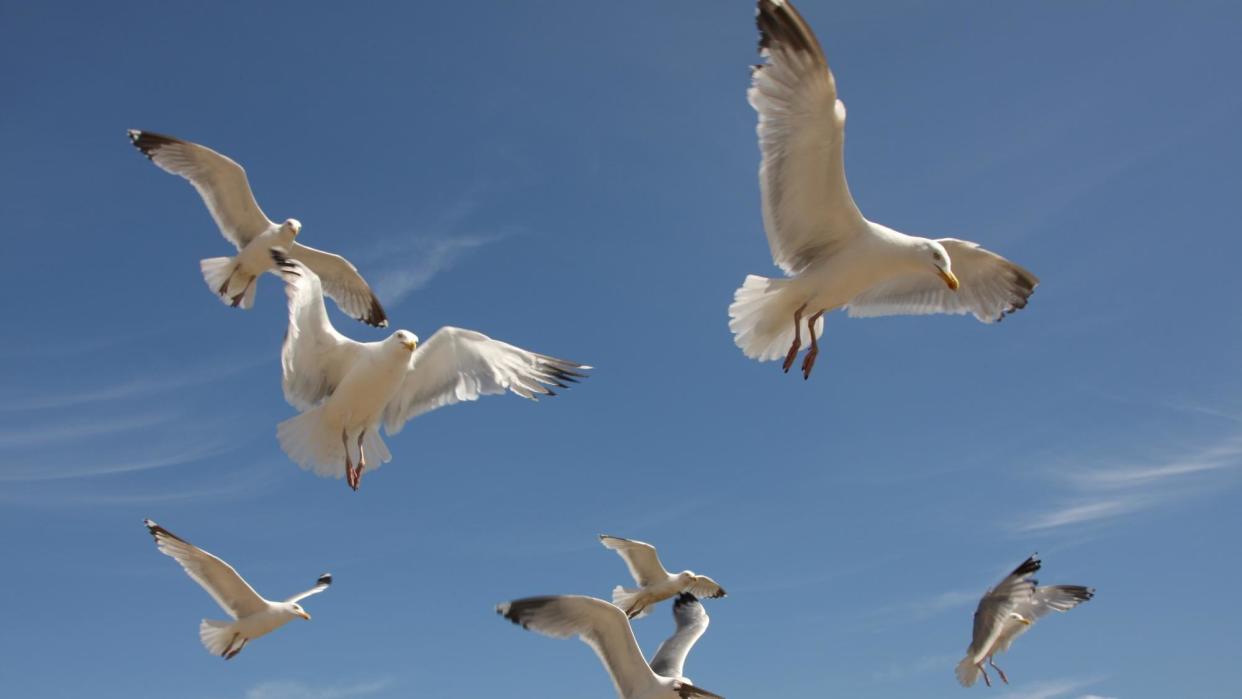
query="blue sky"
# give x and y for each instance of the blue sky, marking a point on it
(580, 178)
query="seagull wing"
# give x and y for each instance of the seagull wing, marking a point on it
(221, 182)
(314, 357)
(320, 585)
(1016, 589)
(808, 212)
(218, 578)
(991, 287)
(341, 281)
(692, 621)
(1059, 598)
(600, 624)
(458, 365)
(640, 557)
(706, 587)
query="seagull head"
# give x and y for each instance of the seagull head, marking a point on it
(292, 227)
(296, 610)
(930, 250)
(405, 339)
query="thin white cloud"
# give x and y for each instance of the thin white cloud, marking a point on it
(141, 386)
(412, 264)
(1050, 689)
(161, 457)
(1109, 492)
(288, 689)
(59, 434)
(895, 671)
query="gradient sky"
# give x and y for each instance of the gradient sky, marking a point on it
(579, 178)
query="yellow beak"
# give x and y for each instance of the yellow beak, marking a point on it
(411, 345)
(949, 278)
(304, 615)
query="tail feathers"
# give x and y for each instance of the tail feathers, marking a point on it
(218, 273)
(316, 448)
(627, 599)
(761, 317)
(967, 672)
(218, 636)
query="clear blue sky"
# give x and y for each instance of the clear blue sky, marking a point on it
(580, 178)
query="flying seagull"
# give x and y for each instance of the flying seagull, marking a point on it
(833, 256)
(253, 615)
(692, 621)
(606, 630)
(345, 389)
(655, 584)
(225, 190)
(1007, 611)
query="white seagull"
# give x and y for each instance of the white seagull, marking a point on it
(655, 584)
(606, 630)
(347, 388)
(226, 191)
(1007, 611)
(692, 621)
(253, 616)
(834, 257)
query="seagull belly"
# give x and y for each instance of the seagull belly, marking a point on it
(358, 403)
(260, 623)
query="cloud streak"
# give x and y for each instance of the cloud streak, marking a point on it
(284, 689)
(1107, 493)
(420, 260)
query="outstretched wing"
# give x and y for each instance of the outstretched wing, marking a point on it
(600, 624)
(314, 357)
(640, 557)
(705, 587)
(221, 183)
(343, 283)
(990, 287)
(458, 365)
(218, 578)
(808, 212)
(692, 621)
(320, 585)
(1017, 588)
(1060, 598)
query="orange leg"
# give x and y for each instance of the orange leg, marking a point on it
(809, 362)
(797, 343)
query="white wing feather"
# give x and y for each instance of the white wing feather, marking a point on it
(458, 365)
(341, 280)
(226, 587)
(640, 557)
(321, 584)
(692, 620)
(808, 212)
(991, 287)
(314, 357)
(601, 625)
(221, 183)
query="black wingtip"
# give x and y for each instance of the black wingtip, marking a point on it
(1030, 565)
(684, 599)
(780, 23)
(148, 141)
(375, 316)
(325, 579)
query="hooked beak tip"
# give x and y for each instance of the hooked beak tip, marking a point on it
(950, 279)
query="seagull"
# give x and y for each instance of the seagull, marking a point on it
(655, 584)
(606, 630)
(253, 615)
(225, 190)
(692, 621)
(1007, 611)
(834, 257)
(345, 389)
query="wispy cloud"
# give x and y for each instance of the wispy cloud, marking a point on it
(285, 689)
(159, 456)
(1050, 689)
(414, 262)
(220, 486)
(59, 434)
(1105, 493)
(145, 385)
(895, 671)
(929, 606)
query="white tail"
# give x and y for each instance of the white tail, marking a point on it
(761, 317)
(217, 636)
(218, 273)
(967, 672)
(625, 598)
(316, 448)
